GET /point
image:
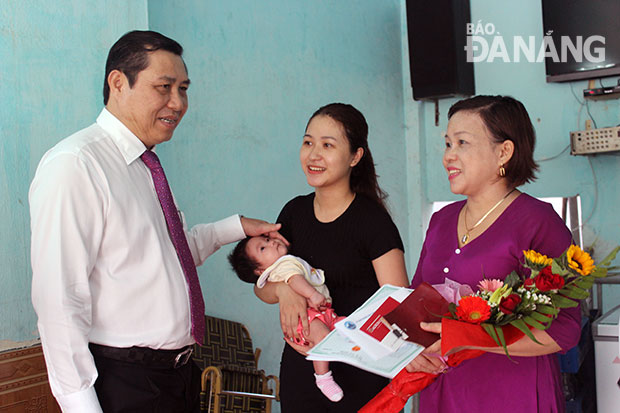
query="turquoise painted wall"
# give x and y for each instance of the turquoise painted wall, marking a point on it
(555, 111)
(52, 57)
(258, 71)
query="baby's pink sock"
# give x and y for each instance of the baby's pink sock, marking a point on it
(329, 387)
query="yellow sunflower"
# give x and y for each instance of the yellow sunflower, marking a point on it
(579, 260)
(537, 259)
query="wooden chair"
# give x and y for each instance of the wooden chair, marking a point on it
(231, 380)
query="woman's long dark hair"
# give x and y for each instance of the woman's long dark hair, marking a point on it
(363, 176)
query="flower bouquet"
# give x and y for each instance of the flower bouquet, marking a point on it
(502, 312)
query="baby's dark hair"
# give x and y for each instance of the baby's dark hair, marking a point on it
(242, 264)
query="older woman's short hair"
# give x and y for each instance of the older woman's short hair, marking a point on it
(506, 119)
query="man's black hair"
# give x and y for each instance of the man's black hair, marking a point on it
(130, 55)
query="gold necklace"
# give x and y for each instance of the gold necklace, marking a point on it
(465, 237)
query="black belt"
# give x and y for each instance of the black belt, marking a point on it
(163, 359)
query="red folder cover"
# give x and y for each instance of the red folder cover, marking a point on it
(374, 325)
(423, 304)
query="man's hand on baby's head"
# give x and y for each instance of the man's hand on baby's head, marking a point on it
(255, 227)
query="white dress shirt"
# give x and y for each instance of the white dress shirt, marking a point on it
(104, 268)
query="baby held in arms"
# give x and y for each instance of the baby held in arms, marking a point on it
(262, 259)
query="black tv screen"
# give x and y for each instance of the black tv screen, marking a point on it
(586, 38)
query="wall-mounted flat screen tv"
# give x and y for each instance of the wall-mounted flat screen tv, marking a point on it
(585, 35)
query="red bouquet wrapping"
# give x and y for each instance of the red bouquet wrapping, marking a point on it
(455, 334)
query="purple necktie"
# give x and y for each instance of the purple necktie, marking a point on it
(175, 227)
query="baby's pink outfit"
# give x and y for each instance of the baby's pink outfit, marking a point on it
(327, 316)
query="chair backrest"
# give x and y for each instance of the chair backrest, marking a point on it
(226, 343)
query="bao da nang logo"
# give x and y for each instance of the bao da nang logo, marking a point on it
(485, 44)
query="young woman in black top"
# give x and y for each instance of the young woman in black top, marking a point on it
(344, 228)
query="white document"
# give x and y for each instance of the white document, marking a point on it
(352, 346)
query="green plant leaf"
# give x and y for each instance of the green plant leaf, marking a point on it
(563, 302)
(584, 293)
(452, 309)
(584, 282)
(570, 293)
(557, 268)
(547, 309)
(531, 321)
(520, 324)
(502, 340)
(545, 320)
(599, 272)
(512, 279)
(610, 257)
(505, 318)
(573, 291)
(491, 331)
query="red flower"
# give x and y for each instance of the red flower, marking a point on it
(508, 304)
(473, 309)
(546, 280)
(528, 283)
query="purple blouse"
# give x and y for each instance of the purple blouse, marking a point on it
(492, 382)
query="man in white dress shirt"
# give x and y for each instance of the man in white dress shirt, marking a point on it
(108, 287)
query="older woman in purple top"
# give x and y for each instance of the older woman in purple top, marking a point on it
(489, 153)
